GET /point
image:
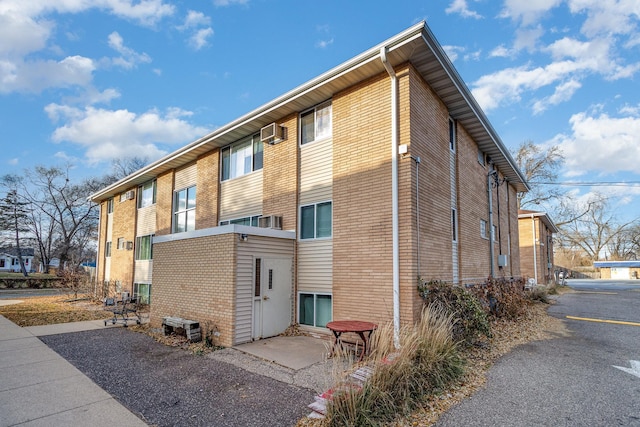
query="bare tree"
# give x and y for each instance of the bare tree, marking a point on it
(14, 214)
(594, 229)
(64, 208)
(540, 167)
(124, 167)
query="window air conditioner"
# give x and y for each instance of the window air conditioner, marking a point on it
(129, 245)
(272, 133)
(271, 221)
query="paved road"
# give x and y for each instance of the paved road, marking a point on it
(570, 380)
(603, 284)
(26, 293)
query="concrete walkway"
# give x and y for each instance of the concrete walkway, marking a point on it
(40, 388)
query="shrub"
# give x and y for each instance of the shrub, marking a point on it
(470, 320)
(504, 299)
(426, 363)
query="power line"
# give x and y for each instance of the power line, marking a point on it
(592, 184)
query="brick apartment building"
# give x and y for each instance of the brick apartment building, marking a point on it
(536, 231)
(328, 202)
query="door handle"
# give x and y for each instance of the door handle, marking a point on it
(265, 297)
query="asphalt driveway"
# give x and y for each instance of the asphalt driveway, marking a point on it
(169, 387)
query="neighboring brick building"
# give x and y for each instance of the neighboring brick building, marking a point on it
(328, 202)
(536, 231)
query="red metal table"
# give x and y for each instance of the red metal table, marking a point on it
(363, 329)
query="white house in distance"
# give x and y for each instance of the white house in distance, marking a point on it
(9, 261)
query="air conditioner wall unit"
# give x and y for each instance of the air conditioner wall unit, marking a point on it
(130, 195)
(270, 221)
(272, 133)
(129, 245)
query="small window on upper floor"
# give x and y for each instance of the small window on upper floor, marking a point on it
(452, 134)
(184, 210)
(315, 124)
(483, 228)
(147, 194)
(110, 205)
(481, 158)
(251, 221)
(242, 157)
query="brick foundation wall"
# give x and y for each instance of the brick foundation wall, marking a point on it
(195, 279)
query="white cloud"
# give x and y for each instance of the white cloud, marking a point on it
(563, 92)
(323, 44)
(35, 76)
(630, 110)
(130, 58)
(229, 2)
(501, 52)
(453, 52)
(200, 38)
(13, 161)
(573, 61)
(193, 22)
(529, 11)
(108, 134)
(25, 29)
(607, 17)
(600, 143)
(527, 38)
(462, 8)
(195, 19)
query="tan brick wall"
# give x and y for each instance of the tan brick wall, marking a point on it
(544, 255)
(124, 225)
(280, 176)
(207, 190)
(164, 202)
(362, 264)
(430, 141)
(190, 282)
(514, 259)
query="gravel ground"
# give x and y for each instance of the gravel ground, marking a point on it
(170, 387)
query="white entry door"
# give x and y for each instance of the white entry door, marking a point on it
(272, 303)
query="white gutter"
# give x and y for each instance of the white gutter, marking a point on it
(533, 244)
(394, 197)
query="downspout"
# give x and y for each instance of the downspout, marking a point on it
(490, 200)
(394, 197)
(533, 244)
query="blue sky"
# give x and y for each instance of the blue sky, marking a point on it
(86, 81)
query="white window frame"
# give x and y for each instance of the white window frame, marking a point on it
(143, 194)
(483, 229)
(315, 307)
(177, 211)
(318, 135)
(107, 249)
(110, 205)
(253, 220)
(481, 158)
(136, 292)
(494, 233)
(139, 239)
(122, 243)
(315, 220)
(257, 162)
